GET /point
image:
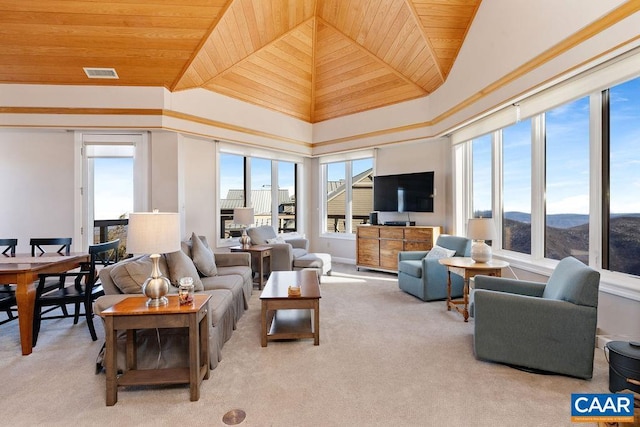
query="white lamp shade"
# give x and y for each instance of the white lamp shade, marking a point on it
(481, 229)
(243, 216)
(153, 233)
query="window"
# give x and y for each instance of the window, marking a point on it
(287, 197)
(114, 183)
(516, 187)
(260, 196)
(567, 181)
(349, 194)
(482, 188)
(568, 176)
(232, 192)
(269, 186)
(623, 228)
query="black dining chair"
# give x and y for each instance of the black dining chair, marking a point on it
(59, 245)
(9, 246)
(85, 290)
(7, 292)
(62, 243)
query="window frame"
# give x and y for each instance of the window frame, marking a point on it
(350, 232)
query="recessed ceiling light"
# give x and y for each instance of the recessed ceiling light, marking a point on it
(100, 73)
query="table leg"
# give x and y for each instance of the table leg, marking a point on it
(263, 319)
(25, 300)
(110, 359)
(316, 322)
(465, 297)
(204, 344)
(194, 357)
(260, 272)
(448, 290)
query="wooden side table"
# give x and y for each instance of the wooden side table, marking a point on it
(467, 268)
(260, 260)
(131, 314)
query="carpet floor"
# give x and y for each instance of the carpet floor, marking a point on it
(385, 359)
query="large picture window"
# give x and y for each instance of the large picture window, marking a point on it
(624, 178)
(516, 187)
(268, 186)
(567, 181)
(482, 182)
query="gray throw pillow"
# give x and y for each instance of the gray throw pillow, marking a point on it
(180, 265)
(438, 252)
(129, 276)
(203, 257)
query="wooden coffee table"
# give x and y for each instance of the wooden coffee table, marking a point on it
(131, 314)
(467, 268)
(285, 317)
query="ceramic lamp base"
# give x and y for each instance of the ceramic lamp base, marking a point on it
(480, 251)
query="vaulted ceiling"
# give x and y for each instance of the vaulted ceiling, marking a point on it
(312, 59)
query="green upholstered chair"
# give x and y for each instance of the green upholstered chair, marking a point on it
(424, 277)
(545, 327)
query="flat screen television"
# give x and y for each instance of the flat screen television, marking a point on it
(409, 192)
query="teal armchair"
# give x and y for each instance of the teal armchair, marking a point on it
(546, 327)
(424, 277)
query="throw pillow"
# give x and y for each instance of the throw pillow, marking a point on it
(275, 240)
(130, 275)
(180, 265)
(203, 257)
(438, 252)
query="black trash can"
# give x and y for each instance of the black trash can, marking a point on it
(624, 363)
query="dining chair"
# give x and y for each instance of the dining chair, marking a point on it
(7, 292)
(9, 246)
(63, 244)
(85, 290)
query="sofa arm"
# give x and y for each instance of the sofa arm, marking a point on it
(512, 286)
(231, 259)
(411, 255)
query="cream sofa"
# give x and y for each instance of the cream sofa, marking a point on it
(230, 289)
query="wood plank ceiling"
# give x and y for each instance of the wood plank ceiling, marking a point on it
(311, 59)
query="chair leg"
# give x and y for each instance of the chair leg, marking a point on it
(37, 318)
(76, 315)
(89, 315)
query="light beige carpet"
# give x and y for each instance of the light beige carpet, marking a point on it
(385, 359)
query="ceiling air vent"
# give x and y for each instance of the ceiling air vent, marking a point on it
(101, 73)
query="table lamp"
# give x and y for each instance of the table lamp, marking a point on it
(479, 230)
(154, 233)
(243, 217)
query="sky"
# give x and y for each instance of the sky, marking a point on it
(113, 187)
(567, 151)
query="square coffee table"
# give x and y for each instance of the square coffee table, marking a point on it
(289, 317)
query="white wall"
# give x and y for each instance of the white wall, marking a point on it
(37, 190)
(197, 161)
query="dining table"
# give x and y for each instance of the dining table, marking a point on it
(22, 270)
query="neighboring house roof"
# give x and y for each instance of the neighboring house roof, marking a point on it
(260, 200)
(362, 197)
